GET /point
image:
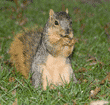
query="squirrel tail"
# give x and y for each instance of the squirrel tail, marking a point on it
(17, 56)
(23, 48)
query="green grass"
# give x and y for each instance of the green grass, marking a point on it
(92, 42)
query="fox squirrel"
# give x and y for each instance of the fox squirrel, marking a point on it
(46, 54)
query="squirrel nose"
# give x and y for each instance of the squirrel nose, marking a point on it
(67, 31)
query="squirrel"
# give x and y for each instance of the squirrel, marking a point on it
(46, 54)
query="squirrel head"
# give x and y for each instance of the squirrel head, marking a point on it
(58, 32)
(61, 23)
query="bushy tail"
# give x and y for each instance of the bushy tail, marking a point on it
(23, 48)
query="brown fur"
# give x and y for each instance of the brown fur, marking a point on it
(59, 44)
(17, 57)
(21, 52)
(64, 46)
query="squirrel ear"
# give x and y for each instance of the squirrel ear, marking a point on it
(51, 13)
(67, 10)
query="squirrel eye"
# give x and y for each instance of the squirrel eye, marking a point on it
(71, 23)
(56, 22)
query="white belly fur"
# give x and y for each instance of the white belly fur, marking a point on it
(56, 71)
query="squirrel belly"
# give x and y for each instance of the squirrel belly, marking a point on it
(56, 71)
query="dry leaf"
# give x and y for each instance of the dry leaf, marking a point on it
(78, 18)
(99, 102)
(1, 68)
(15, 102)
(107, 29)
(63, 7)
(24, 4)
(3, 88)
(14, 92)
(23, 21)
(81, 77)
(76, 40)
(104, 95)
(85, 80)
(93, 93)
(82, 28)
(13, 9)
(66, 104)
(19, 15)
(18, 9)
(11, 79)
(93, 63)
(10, 64)
(90, 15)
(16, 2)
(91, 59)
(79, 15)
(101, 63)
(77, 11)
(106, 78)
(74, 102)
(81, 70)
(40, 29)
(109, 49)
(1, 57)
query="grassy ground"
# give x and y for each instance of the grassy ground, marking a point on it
(90, 62)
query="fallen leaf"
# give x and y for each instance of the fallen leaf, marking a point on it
(85, 80)
(91, 59)
(19, 15)
(82, 69)
(12, 17)
(90, 14)
(107, 30)
(23, 21)
(16, 2)
(101, 63)
(79, 16)
(14, 92)
(99, 102)
(40, 29)
(81, 77)
(106, 78)
(13, 9)
(3, 88)
(74, 102)
(76, 40)
(66, 104)
(10, 64)
(103, 95)
(1, 68)
(93, 63)
(77, 10)
(78, 19)
(15, 102)
(63, 7)
(109, 49)
(24, 4)
(11, 79)
(93, 93)
(1, 57)
(82, 28)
